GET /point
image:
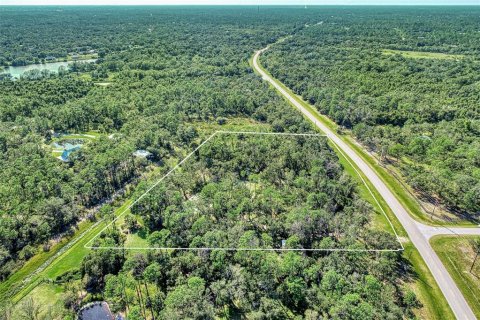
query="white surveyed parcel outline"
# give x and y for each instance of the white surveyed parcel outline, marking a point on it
(89, 246)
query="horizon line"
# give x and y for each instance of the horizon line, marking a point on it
(245, 5)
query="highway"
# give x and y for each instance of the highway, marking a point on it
(418, 233)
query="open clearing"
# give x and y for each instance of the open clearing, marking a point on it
(423, 55)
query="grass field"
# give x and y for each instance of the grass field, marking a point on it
(423, 55)
(90, 135)
(44, 295)
(232, 124)
(74, 256)
(424, 285)
(457, 255)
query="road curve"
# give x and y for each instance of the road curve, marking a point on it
(457, 302)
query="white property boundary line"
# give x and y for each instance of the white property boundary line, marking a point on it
(88, 246)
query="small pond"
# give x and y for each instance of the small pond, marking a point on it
(96, 311)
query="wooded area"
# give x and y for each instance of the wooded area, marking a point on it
(163, 75)
(251, 191)
(422, 111)
(160, 87)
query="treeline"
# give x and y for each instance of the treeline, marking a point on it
(421, 113)
(58, 31)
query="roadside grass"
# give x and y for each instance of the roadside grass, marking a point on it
(457, 256)
(379, 220)
(73, 257)
(397, 189)
(423, 55)
(424, 285)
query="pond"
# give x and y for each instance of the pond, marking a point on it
(96, 311)
(66, 147)
(16, 72)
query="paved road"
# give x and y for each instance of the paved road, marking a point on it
(453, 295)
(430, 231)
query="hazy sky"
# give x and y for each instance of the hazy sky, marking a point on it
(233, 2)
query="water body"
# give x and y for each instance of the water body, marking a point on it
(96, 311)
(16, 72)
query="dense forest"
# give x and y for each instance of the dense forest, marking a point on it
(250, 192)
(255, 191)
(170, 73)
(164, 79)
(406, 84)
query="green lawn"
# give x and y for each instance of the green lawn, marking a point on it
(57, 153)
(424, 285)
(423, 55)
(136, 240)
(457, 255)
(84, 136)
